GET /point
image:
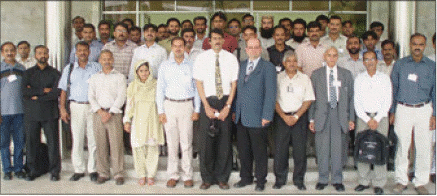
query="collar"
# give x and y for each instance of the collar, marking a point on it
(255, 62)
(113, 71)
(360, 57)
(152, 46)
(172, 59)
(76, 64)
(410, 59)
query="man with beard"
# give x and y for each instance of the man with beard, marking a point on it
(135, 35)
(288, 24)
(192, 52)
(95, 47)
(104, 32)
(348, 28)
(25, 59)
(40, 98)
(334, 38)
(173, 26)
(218, 20)
(248, 32)
(266, 31)
(162, 32)
(323, 20)
(247, 20)
(354, 61)
(78, 23)
(187, 24)
(370, 38)
(200, 29)
(299, 35)
(389, 52)
(276, 52)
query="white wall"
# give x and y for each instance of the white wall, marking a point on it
(425, 22)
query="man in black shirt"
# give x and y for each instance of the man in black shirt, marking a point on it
(40, 97)
(276, 52)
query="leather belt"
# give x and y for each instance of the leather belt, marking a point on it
(105, 109)
(80, 102)
(179, 100)
(290, 113)
(371, 115)
(414, 105)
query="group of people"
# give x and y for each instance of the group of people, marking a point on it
(284, 84)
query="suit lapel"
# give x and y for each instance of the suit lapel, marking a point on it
(256, 70)
(341, 79)
(325, 85)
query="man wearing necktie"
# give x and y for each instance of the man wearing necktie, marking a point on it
(254, 109)
(331, 117)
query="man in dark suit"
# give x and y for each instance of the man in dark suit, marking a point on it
(331, 117)
(256, 96)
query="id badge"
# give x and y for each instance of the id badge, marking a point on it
(412, 77)
(12, 78)
(290, 88)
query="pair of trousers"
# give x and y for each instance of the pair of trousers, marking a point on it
(329, 148)
(407, 118)
(252, 146)
(215, 153)
(12, 125)
(297, 135)
(33, 139)
(146, 160)
(179, 131)
(378, 177)
(81, 124)
(109, 140)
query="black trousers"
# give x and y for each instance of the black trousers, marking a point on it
(252, 146)
(215, 153)
(297, 136)
(33, 139)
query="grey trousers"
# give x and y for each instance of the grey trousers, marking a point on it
(329, 149)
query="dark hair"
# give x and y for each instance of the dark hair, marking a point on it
(417, 35)
(300, 21)
(249, 27)
(89, 25)
(160, 26)
(23, 42)
(285, 19)
(187, 30)
(234, 20)
(8, 43)
(247, 15)
(279, 27)
(77, 17)
(122, 25)
(104, 22)
(173, 19)
(314, 24)
(135, 28)
(335, 17)
(148, 26)
(82, 43)
(189, 21)
(353, 36)
(38, 47)
(322, 17)
(387, 41)
(218, 31)
(177, 38)
(129, 21)
(433, 39)
(220, 14)
(347, 22)
(366, 35)
(376, 24)
(199, 18)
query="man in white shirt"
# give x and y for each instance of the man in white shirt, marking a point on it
(353, 61)
(150, 52)
(372, 101)
(388, 52)
(23, 49)
(216, 73)
(191, 52)
(334, 37)
(200, 28)
(78, 23)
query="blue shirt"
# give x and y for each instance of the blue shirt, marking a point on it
(109, 40)
(79, 80)
(379, 55)
(95, 48)
(11, 84)
(176, 82)
(413, 82)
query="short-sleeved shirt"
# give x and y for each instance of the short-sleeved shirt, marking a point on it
(355, 67)
(384, 68)
(122, 55)
(155, 55)
(204, 70)
(339, 43)
(95, 48)
(292, 92)
(11, 84)
(310, 58)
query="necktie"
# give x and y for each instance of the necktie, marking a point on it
(218, 79)
(249, 71)
(332, 93)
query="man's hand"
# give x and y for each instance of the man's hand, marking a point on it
(351, 125)
(104, 115)
(264, 122)
(312, 127)
(34, 98)
(224, 113)
(64, 115)
(210, 112)
(392, 118)
(47, 90)
(195, 116)
(290, 120)
(432, 123)
(373, 124)
(163, 118)
(127, 127)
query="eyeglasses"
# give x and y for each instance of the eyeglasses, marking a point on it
(121, 31)
(233, 27)
(369, 60)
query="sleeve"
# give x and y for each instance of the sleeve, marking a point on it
(121, 95)
(63, 81)
(358, 101)
(197, 71)
(433, 91)
(270, 96)
(130, 105)
(54, 94)
(386, 98)
(309, 92)
(351, 97)
(395, 85)
(92, 98)
(29, 91)
(235, 66)
(73, 55)
(160, 90)
(312, 110)
(196, 98)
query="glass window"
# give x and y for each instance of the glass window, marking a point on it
(271, 5)
(157, 5)
(119, 5)
(114, 18)
(348, 5)
(359, 22)
(310, 5)
(194, 5)
(233, 5)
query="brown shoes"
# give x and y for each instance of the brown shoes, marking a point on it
(205, 186)
(188, 183)
(172, 183)
(399, 188)
(223, 185)
(119, 181)
(421, 190)
(101, 180)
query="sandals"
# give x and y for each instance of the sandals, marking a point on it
(150, 181)
(142, 181)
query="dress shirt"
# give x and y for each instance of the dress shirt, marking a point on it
(310, 58)
(432, 57)
(339, 43)
(107, 91)
(266, 42)
(95, 48)
(255, 63)
(328, 71)
(46, 106)
(79, 80)
(11, 84)
(155, 55)
(204, 70)
(276, 56)
(230, 43)
(243, 54)
(28, 63)
(122, 55)
(191, 56)
(382, 67)
(413, 82)
(295, 44)
(355, 67)
(372, 94)
(109, 40)
(379, 55)
(292, 92)
(175, 81)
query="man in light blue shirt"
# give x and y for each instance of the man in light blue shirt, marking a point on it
(95, 46)
(370, 39)
(178, 106)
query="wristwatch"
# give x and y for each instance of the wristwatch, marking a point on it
(296, 116)
(229, 106)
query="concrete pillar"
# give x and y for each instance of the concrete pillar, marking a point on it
(402, 24)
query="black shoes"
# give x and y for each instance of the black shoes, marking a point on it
(300, 186)
(432, 178)
(259, 187)
(339, 187)
(241, 184)
(55, 177)
(277, 185)
(7, 176)
(93, 176)
(360, 188)
(378, 191)
(30, 177)
(77, 176)
(20, 175)
(320, 186)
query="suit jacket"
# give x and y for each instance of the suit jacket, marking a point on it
(256, 98)
(319, 109)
